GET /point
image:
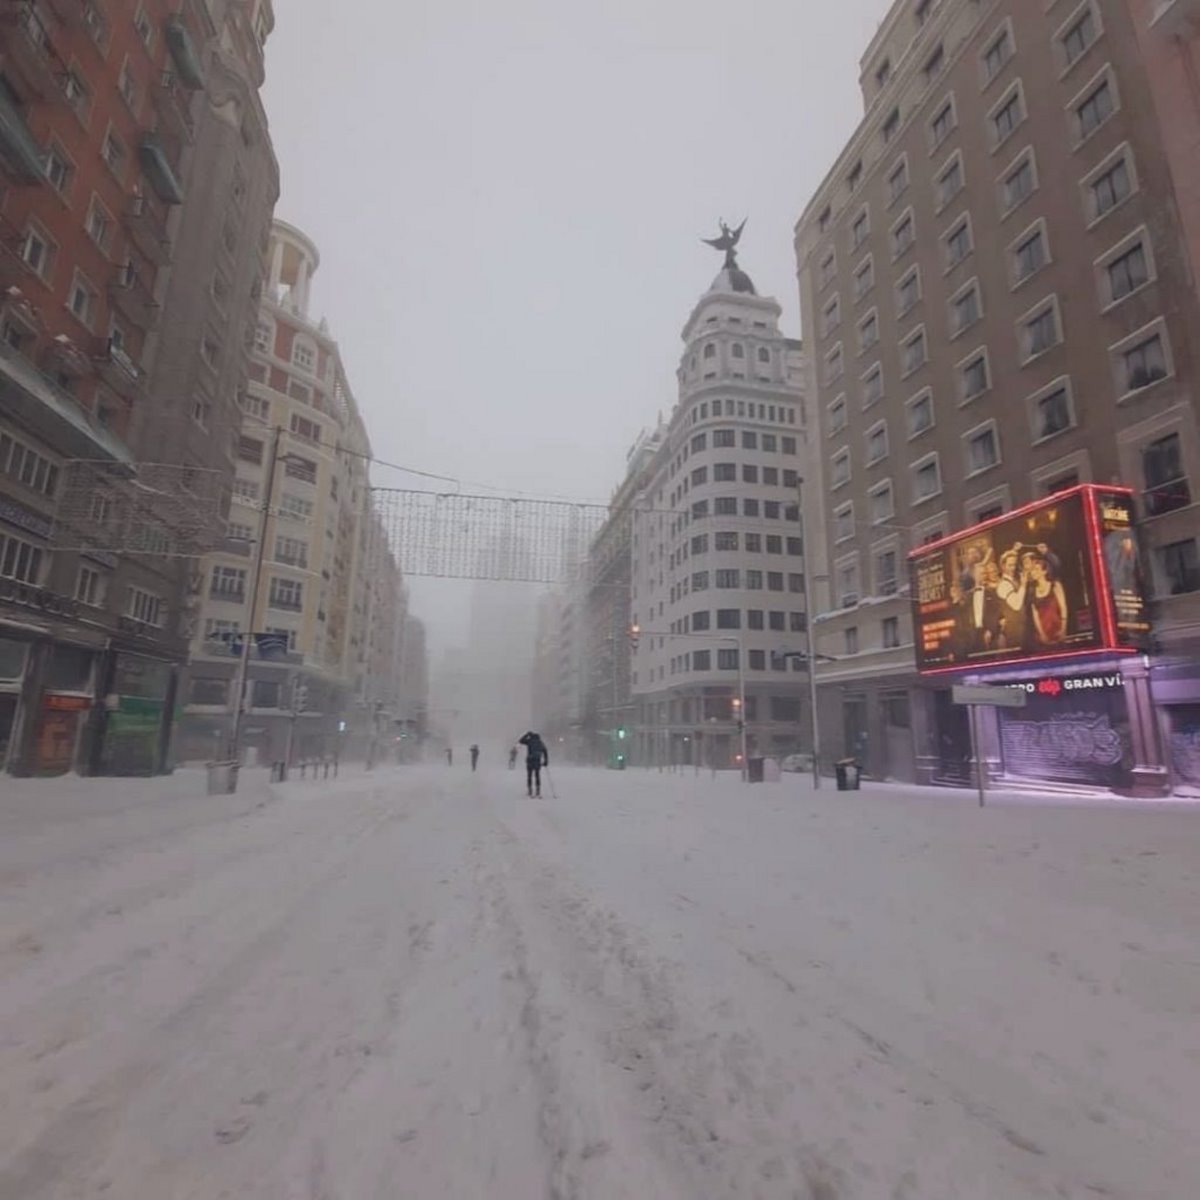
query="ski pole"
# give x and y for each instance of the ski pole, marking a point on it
(550, 781)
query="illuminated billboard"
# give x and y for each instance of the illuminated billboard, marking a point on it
(1057, 578)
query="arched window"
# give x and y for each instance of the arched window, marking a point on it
(710, 351)
(764, 355)
(739, 351)
(304, 355)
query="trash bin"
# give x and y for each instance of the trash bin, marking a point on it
(847, 771)
(754, 770)
(222, 778)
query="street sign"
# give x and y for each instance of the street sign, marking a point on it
(996, 697)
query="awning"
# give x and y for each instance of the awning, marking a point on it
(158, 170)
(21, 154)
(183, 51)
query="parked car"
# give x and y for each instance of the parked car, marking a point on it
(796, 763)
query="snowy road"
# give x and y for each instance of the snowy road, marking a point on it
(421, 984)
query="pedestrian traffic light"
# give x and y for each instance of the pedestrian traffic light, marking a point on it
(621, 732)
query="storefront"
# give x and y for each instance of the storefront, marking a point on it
(1176, 690)
(135, 723)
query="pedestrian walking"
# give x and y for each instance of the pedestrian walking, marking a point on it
(536, 757)
(449, 757)
(512, 758)
(474, 757)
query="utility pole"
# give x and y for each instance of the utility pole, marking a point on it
(241, 677)
(809, 622)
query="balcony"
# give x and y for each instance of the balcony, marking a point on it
(230, 595)
(158, 169)
(174, 107)
(146, 224)
(285, 605)
(30, 58)
(117, 369)
(133, 298)
(184, 54)
(20, 155)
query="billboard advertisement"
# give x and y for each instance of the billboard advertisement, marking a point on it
(1056, 578)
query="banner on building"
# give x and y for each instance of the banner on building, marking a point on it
(1056, 578)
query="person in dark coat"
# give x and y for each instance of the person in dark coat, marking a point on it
(474, 757)
(536, 757)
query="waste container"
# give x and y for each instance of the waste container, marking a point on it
(847, 771)
(754, 770)
(222, 778)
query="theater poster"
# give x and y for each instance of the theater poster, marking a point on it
(1056, 578)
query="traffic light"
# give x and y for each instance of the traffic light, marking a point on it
(621, 733)
(635, 632)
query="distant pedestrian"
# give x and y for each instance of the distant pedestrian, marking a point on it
(512, 758)
(474, 757)
(449, 757)
(536, 757)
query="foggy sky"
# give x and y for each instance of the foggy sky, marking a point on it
(507, 197)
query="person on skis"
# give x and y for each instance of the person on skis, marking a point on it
(474, 757)
(536, 757)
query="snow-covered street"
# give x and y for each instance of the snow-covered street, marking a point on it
(421, 984)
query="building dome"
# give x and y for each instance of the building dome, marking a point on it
(733, 279)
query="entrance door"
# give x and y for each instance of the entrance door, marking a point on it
(954, 740)
(8, 717)
(855, 734)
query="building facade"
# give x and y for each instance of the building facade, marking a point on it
(102, 110)
(328, 588)
(716, 543)
(996, 293)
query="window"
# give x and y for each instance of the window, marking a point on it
(1108, 189)
(1006, 117)
(114, 153)
(285, 593)
(913, 352)
(768, 441)
(883, 73)
(934, 63)
(1019, 182)
(764, 355)
(727, 659)
(974, 377)
(304, 355)
(250, 450)
(729, 618)
(868, 332)
(20, 560)
(891, 125)
(723, 472)
(860, 229)
(1080, 34)
(700, 543)
(37, 251)
(828, 271)
(958, 243)
(27, 467)
(144, 606)
(264, 336)
(1127, 272)
(228, 583)
(754, 582)
(833, 365)
(725, 506)
(127, 86)
(76, 94)
(847, 583)
(291, 551)
(964, 309)
(950, 181)
(902, 235)
(843, 523)
(983, 449)
(699, 442)
(701, 620)
(1144, 363)
(831, 316)
(58, 169)
(753, 543)
(837, 415)
(876, 443)
(1030, 254)
(749, 473)
(897, 182)
(840, 469)
(1166, 481)
(99, 224)
(920, 413)
(725, 540)
(864, 278)
(927, 479)
(81, 300)
(758, 660)
(749, 507)
(296, 507)
(699, 510)
(1096, 107)
(1040, 332)
(739, 351)
(701, 660)
(710, 350)
(850, 640)
(1179, 567)
(210, 350)
(998, 52)
(942, 124)
(724, 437)
(1052, 413)
(923, 11)
(144, 27)
(749, 440)
(890, 627)
(881, 503)
(908, 291)
(770, 476)
(699, 581)
(872, 386)
(886, 568)
(245, 490)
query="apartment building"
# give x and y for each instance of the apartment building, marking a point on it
(100, 108)
(996, 292)
(301, 486)
(716, 542)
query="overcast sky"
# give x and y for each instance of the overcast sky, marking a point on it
(508, 197)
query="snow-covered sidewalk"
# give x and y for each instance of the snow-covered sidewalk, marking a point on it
(419, 983)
